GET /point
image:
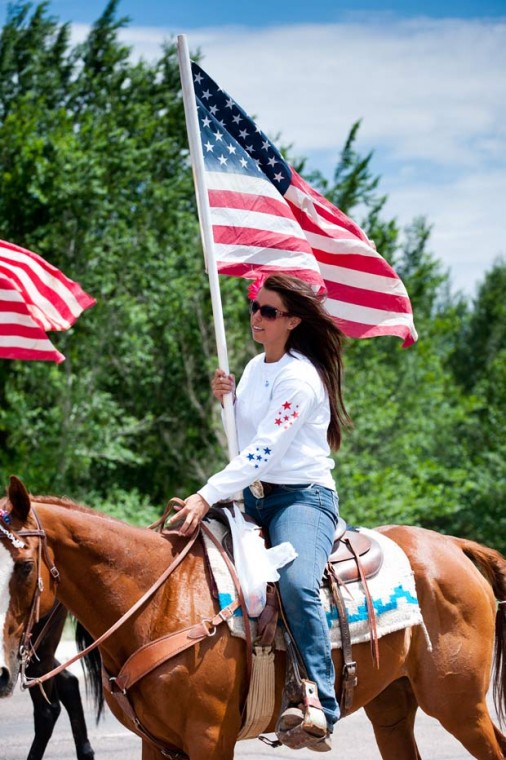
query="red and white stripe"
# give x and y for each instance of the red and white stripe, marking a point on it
(255, 230)
(34, 297)
(258, 231)
(364, 293)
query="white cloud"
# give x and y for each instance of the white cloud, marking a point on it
(426, 89)
(467, 216)
(432, 96)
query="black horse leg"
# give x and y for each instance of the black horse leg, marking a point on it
(67, 686)
(44, 717)
(63, 688)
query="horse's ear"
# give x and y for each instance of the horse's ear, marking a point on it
(19, 498)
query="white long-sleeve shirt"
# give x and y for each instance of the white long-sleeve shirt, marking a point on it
(282, 416)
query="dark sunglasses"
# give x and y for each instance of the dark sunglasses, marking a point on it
(267, 312)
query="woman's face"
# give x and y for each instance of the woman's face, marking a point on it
(272, 333)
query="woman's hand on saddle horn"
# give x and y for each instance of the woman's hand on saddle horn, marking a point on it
(189, 517)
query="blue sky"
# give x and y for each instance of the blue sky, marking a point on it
(427, 79)
(197, 13)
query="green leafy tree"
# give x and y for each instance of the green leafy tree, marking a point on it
(479, 366)
(94, 176)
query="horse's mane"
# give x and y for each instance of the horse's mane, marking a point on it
(67, 503)
(60, 501)
(63, 501)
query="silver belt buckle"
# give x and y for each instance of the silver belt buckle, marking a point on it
(257, 489)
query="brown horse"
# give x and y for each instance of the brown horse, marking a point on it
(194, 701)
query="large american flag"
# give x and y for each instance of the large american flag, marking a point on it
(34, 297)
(266, 219)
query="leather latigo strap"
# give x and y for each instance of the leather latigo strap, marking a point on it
(240, 595)
(169, 751)
(155, 653)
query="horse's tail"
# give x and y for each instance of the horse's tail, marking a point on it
(492, 565)
(93, 668)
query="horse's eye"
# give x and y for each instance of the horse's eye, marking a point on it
(24, 569)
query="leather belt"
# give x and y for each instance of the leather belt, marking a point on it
(260, 489)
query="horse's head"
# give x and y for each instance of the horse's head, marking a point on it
(24, 581)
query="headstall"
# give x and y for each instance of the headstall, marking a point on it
(26, 647)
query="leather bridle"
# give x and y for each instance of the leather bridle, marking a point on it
(26, 648)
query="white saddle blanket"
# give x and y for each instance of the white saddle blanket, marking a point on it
(392, 591)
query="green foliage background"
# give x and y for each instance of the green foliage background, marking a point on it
(94, 175)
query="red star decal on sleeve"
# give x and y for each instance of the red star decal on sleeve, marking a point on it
(286, 405)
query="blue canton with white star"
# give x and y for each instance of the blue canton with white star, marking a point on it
(231, 141)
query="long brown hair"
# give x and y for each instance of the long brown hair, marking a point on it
(319, 339)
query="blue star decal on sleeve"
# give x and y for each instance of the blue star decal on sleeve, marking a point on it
(260, 454)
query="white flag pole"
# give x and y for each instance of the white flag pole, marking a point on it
(197, 159)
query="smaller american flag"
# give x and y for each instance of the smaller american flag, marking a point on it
(266, 219)
(34, 297)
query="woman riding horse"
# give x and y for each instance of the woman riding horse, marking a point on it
(289, 413)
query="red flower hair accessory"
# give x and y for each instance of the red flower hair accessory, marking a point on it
(255, 287)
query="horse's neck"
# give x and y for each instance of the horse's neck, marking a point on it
(105, 565)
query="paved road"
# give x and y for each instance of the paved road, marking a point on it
(353, 739)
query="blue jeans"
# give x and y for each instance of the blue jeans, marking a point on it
(306, 516)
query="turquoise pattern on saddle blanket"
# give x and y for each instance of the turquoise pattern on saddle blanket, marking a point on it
(392, 591)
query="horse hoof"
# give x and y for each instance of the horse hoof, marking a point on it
(86, 752)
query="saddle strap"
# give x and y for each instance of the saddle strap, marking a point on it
(349, 664)
(373, 629)
(156, 652)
